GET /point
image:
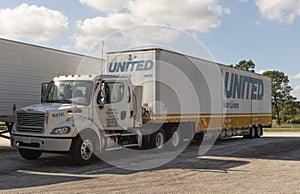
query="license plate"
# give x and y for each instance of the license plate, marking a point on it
(27, 140)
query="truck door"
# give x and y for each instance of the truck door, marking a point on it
(115, 112)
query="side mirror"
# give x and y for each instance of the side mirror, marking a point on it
(101, 95)
(43, 89)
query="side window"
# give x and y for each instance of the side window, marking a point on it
(114, 92)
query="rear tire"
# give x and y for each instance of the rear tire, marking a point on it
(158, 139)
(175, 140)
(252, 132)
(261, 131)
(30, 154)
(258, 132)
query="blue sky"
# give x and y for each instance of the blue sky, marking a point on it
(262, 30)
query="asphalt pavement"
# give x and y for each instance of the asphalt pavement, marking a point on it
(270, 164)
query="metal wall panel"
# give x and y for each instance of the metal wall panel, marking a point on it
(23, 67)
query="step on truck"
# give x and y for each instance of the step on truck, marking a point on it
(148, 99)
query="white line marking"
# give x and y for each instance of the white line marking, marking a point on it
(100, 170)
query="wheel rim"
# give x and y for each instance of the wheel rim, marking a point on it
(175, 139)
(159, 140)
(86, 149)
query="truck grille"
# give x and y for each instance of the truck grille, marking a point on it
(31, 122)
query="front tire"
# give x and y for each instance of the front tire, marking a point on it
(30, 154)
(83, 149)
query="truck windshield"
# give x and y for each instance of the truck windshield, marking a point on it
(77, 92)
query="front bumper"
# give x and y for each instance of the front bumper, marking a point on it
(41, 143)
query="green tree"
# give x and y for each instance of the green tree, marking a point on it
(245, 65)
(288, 111)
(280, 92)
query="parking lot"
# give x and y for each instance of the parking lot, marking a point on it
(270, 164)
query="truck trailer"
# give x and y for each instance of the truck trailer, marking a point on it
(23, 67)
(148, 99)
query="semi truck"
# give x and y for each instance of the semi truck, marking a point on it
(147, 99)
(23, 67)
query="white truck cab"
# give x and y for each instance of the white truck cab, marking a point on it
(80, 114)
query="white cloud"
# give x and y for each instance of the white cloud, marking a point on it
(199, 15)
(106, 5)
(296, 76)
(261, 71)
(30, 21)
(258, 23)
(282, 11)
(116, 39)
(192, 15)
(296, 86)
(93, 31)
(296, 92)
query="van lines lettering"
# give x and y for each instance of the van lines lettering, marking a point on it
(243, 87)
(142, 65)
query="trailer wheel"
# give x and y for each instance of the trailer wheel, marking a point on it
(252, 132)
(261, 131)
(83, 148)
(258, 131)
(30, 154)
(158, 139)
(175, 140)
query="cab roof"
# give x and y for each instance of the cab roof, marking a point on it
(79, 77)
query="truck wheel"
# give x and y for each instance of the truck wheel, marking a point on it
(175, 139)
(261, 131)
(82, 149)
(158, 139)
(30, 154)
(252, 132)
(258, 131)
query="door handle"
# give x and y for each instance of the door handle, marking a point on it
(131, 114)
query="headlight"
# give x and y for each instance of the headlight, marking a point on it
(61, 130)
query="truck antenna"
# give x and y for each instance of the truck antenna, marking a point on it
(102, 53)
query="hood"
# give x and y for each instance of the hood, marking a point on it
(46, 107)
